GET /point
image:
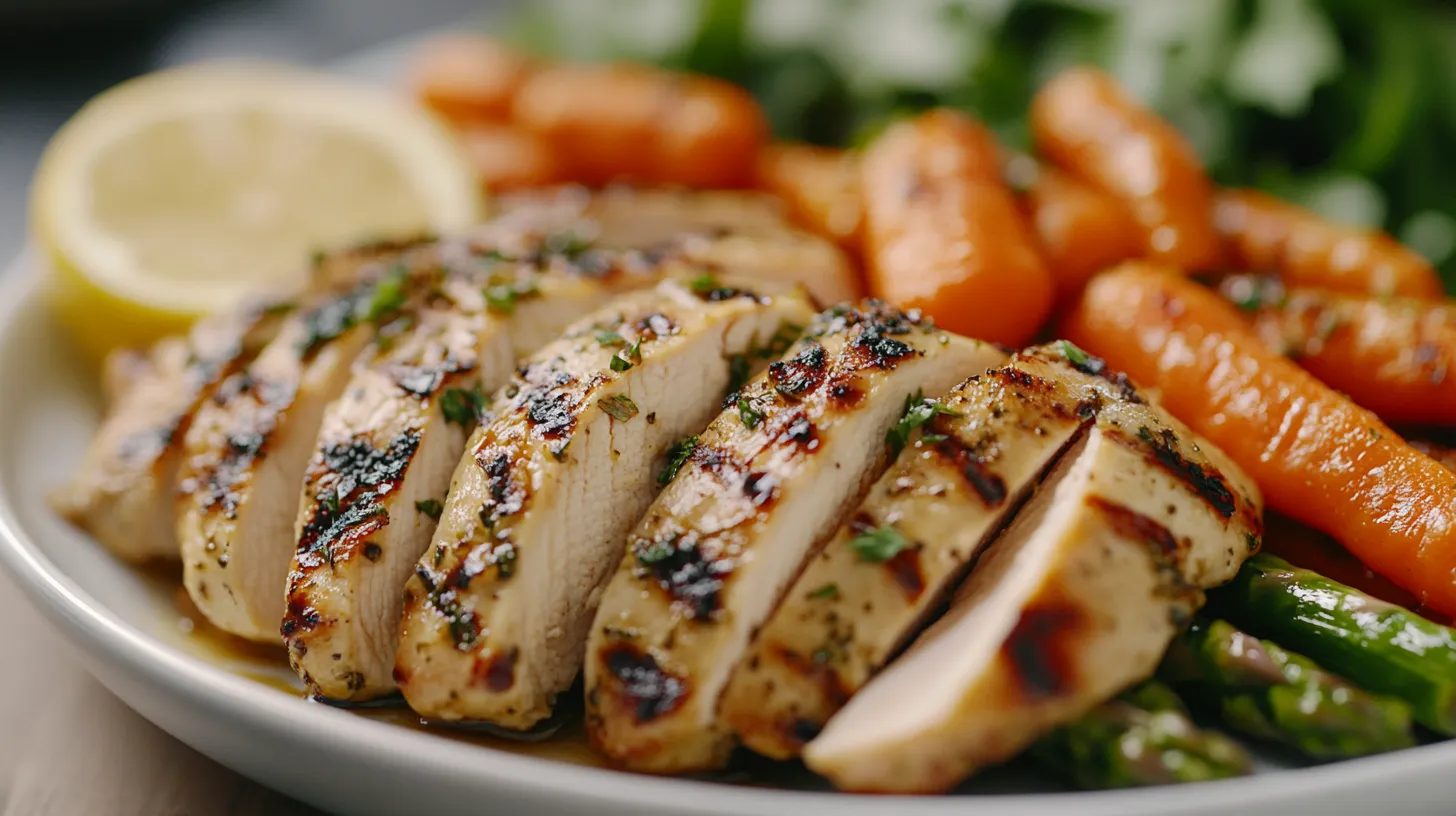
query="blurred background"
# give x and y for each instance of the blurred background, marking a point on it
(1346, 106)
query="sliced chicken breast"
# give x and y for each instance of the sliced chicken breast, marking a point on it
(742, 233)
(1074, 602)
(497, 615)
(122, 493)
(768, 480)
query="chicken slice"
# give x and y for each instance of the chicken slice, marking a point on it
(497, 614)
(768, 480)
(743, 233)
(1074, 602)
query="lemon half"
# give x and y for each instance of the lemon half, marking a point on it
(181, 192)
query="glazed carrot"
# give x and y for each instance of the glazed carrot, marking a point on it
(469, 79)
(634, 123)
(1319, 458)
(1444, 455)
(507, 158)
(1084, 122)
(1396, 357)
(1264, 234)
(1082, 230)
(943, 233)
(820, 187)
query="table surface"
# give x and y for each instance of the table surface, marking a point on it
(67, 747)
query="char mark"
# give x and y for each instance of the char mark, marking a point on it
(804, 372)
(505, 495)
(875, 347)
(655, 326)
(976, 468)
(904, 567)
(351, 481)
(761, 488)
(552, 413)
(844, 392)
(1167, 551)
(691, 577)
(498, 671)
(641, 684)
(1039, 649)
(299, 616)
(1207, 482)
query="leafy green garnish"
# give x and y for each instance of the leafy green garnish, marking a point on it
(749, 415)
(330, 500)
(388, 295)
(610, 338)
(505, 560)
(1074, 355)
(677, 456)
(918, 411)
(627, 357)
(430, 507)
(463, 407)
(880, 545)
(657, 551)
(500, 298)
(705, 282)
(826, 592)
(618, 406)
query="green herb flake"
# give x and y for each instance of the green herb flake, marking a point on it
(1074, 355)
(501, 298)
(749, 415)
(330, 501)
(703, 283)
(505, 560)
(657, 551)
(430, 507)
(878, 546)
(619, 407)
(388, 296)
(918, 411)
(828, 592)
(280, 308)
(610, 338)
(627, 357)
(463, 407)
(677, 456)
(618, 364)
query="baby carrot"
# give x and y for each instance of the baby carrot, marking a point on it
(1262, 233)
(943, 233)
(1082, 230)
(1084, 122)
(468, 78)
(1396, 357)
(1319, 458)
(635, 123)
(506, 158)
(820, 187)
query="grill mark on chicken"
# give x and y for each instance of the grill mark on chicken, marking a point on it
(904, 566)
(350, 481)
(713, 293)
(654, 326)
(976, 467)
(498, 671)
(1095, 366)
(1038, 648)
(636, 679)
(222, 474)
(1207, 482)
(1167, 552)
(845, 393)
(505, 494)
(690, 575)
(803, 373)
(761, 488)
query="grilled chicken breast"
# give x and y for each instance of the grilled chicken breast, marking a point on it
(497, 614)
(1075, 601)
(770, 477)
(122, 493)
(741, 233)
(870, 590)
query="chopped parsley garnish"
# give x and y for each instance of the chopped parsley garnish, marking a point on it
(677, 456)
(658, 551)
(611, 338)
(388, 295)
(505, 560)
(738, 371)
(827, 592)
(619, 407)
(567, 244)
(624, 359)
(461, 622)
(330, 501)
(918, 411)
(1074, 355)
(280, 308)
(430, 507)
(463, 407)
(501, 298)
(703, 283)
(748, 414)
(880, 545)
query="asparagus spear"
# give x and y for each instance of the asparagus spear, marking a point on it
(1379, 646)
(1142, 738)
(1266, 692)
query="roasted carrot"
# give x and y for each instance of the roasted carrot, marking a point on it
(469, 79)
(1082, 230)
(820, 187)
(1084, 122)
(507, 158)
(1396, 357)
(634, 123)
(943, 233)
(1262, 233)
(1319, 457)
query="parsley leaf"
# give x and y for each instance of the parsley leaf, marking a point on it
(624, 359)
(677, 456)
(827, 592)
(1074, 355)
(501, 298)
(657, 551)
(388, 295)
(430, 507)
(705, 282)
(463, 407)
(880, 545)
(918, 411)
(611, 338)
(749, 415)
(619, 407)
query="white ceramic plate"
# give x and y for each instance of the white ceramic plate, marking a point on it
(129, 631)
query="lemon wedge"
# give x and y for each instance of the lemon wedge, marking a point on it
(181, 192)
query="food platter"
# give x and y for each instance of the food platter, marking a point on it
(247, 712)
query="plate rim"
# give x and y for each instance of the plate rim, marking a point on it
(228, 697)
